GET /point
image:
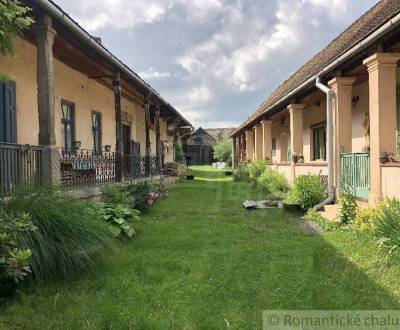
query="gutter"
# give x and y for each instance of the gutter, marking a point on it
(363, 43)
(54, 11)
(329, 144)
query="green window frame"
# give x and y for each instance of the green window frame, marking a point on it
(319, 141)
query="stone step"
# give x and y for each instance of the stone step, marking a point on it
(330, 212)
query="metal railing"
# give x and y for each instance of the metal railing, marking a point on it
(85, 168)
(25, 164)
(20, 164)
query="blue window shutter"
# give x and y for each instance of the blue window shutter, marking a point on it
(10, 112)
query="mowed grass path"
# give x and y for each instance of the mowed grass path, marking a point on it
(200, 261)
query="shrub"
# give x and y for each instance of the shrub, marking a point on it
(68, 237)
(367, 218)
(273, 182)
(116, 194)
(139, 192)
(307, 192)
(223, 152)
(242, 173)
(179, 156)
(314, 216)
(14, 261)
(160, 187)
(120, 219)
(256, 169)
(387, 228)
(348, 207)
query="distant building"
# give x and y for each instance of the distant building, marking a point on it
(197, 147)
(220, 134)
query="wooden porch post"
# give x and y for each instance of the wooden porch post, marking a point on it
(234, 154)
(118, 126)
(158, 140)
(45, 35)
(147, 165)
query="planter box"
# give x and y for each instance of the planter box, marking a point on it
(293, 208)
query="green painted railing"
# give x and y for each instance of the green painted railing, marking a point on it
(355, 173)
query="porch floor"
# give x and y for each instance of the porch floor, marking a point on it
(200, 261)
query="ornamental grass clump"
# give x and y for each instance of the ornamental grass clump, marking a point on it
(69, 234)
(387, 228)
(348, 207)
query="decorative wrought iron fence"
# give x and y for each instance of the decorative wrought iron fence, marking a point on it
(83, 168)
(20, 164)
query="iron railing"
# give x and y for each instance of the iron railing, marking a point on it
(20, 164)
(25, 164)
(85, 168)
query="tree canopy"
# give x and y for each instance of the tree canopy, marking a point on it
(13, 20)
(223, 151)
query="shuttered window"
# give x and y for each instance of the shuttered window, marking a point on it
(67, 125)
(8, 112)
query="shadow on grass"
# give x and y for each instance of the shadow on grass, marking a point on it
(208, 173)
(200, 261)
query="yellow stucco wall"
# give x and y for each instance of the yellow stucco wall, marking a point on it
(311, 116)
(70, 85)
(21, 67)
(390, 182)
(359, 115)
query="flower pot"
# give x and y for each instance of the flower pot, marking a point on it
(7, 288)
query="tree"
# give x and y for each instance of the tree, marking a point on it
(13, 20)
(179, 157)
(223, 151)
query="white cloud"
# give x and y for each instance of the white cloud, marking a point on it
(216, 59)
(152, 74)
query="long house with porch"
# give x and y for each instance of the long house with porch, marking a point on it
(72, 113)
(360, 71)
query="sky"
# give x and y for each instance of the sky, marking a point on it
(215, 61)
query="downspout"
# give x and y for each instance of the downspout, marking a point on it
(329, 123)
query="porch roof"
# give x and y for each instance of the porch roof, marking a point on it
(90, 46)
(368, 23)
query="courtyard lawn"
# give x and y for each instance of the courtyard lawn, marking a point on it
(200, 261)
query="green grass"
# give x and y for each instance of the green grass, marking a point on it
(200, 261)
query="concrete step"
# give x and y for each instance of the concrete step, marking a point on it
(330, 212)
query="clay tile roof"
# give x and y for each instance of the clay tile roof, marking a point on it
(378, 15)
(220, 134)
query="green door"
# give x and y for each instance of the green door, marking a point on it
(355, 173)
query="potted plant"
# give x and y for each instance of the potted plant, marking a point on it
(297, 158)
(387, 157)
(290, 203)
(14, 262)
(76, 145)
(107, 148)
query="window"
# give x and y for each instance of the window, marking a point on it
(96, 131)
(67, 125)
(319, 142)
(273, 147)
(8, 112)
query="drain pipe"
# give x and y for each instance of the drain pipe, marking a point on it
(329, 124)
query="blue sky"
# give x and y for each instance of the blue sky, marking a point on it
(215, 60)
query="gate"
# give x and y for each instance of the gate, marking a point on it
(355, 173)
